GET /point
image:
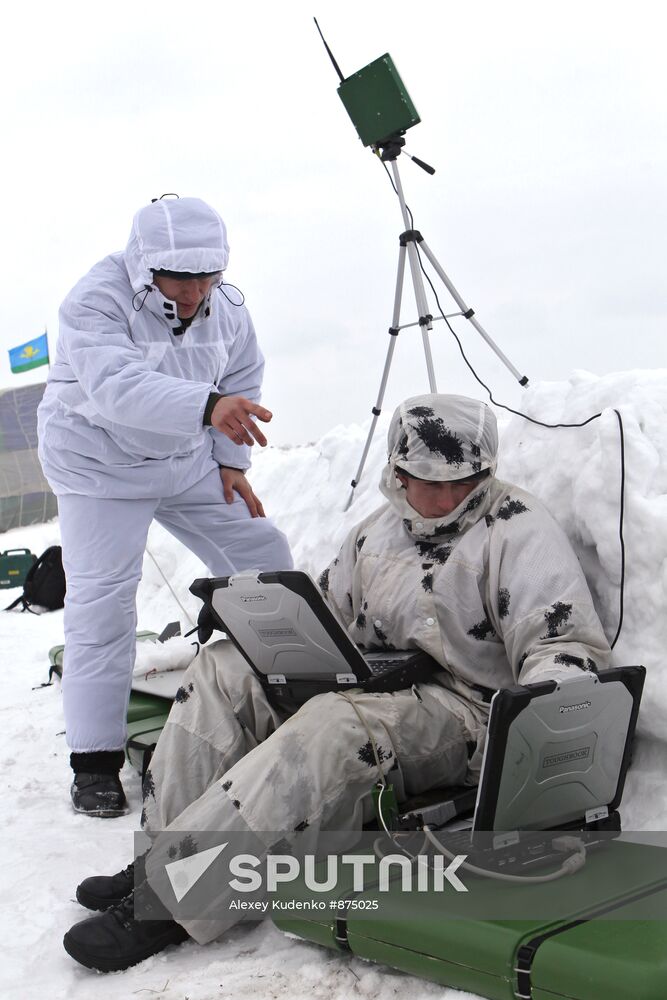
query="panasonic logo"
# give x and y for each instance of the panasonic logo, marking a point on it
(252, 598)
(574, 708)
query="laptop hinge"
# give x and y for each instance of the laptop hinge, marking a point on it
(249, 577)
(346, 679)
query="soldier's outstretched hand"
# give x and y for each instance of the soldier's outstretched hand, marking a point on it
(232, 416)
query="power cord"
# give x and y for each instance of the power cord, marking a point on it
(571, 865)
(562, 843)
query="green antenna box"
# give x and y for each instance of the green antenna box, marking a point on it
(376, 100)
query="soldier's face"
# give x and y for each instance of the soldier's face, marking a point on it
(436, 499)
(188, 293)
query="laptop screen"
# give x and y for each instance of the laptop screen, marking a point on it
(281, 624)
(557, 752)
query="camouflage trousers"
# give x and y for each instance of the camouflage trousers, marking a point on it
(228, 760)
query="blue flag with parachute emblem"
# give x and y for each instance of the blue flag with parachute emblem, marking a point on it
(29, 355)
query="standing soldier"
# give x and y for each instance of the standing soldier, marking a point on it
(148, 413)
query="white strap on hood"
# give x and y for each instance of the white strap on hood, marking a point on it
(182, 234)
(441, 438)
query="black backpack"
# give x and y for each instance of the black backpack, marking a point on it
(44, 584)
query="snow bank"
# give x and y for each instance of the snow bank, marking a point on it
(576, 473)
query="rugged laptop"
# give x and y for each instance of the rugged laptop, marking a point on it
(555, 758)
(284, 629)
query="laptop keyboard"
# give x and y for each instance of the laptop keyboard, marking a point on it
(381, 666)
(515, 854)
(379, 660)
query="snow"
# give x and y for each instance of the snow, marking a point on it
(48, 849)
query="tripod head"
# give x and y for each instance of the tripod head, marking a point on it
(389, 149)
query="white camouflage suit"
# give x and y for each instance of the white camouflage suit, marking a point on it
(493, 592)
(122, 441)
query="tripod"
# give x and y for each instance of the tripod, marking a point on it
(409, 240)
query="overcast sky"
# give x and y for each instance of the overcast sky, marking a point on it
(548, 209)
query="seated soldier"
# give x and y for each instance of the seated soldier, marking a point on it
(470, 569)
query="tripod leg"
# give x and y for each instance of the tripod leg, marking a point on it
(425, 318)
(393, 334)
(469, 314)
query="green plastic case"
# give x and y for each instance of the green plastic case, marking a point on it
(598, 935)
(14, 565)
(144, 732)
(376, 100)
(606, 959)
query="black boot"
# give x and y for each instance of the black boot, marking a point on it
(96, 789)
(100, 892)
(114, 940)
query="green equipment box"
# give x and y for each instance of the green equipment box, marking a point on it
(600, 934)
(14, 565)
(376, 100)
(143, 733)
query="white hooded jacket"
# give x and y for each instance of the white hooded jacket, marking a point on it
(494, 591)
(122, 413)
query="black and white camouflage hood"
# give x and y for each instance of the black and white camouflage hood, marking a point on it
(441, 438)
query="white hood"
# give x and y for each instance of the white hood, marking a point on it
(182, 234)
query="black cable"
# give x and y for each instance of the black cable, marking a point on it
(541, 423)
(391, 181)
(495, 402)
(145, 291)
(227, 284)
(532, 420)
(620, 529)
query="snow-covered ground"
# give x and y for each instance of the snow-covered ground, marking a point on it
(47, 849)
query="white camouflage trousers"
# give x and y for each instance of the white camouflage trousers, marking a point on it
(103, 542)
(228, 760)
